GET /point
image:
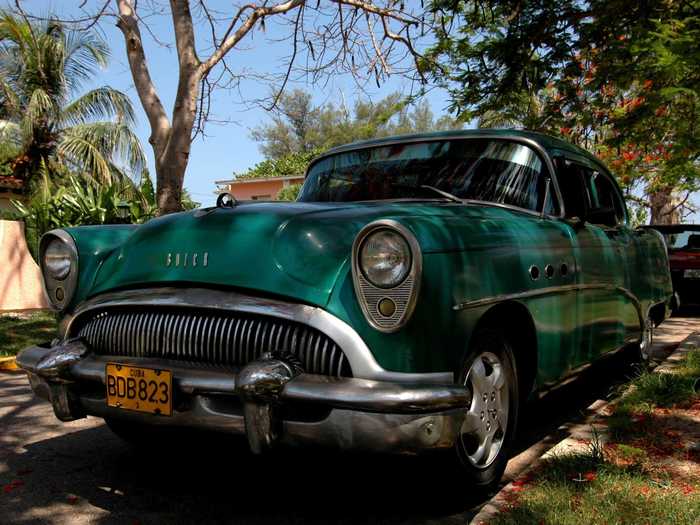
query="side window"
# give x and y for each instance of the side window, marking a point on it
(589, 194)
(606, 206)
(572, 185)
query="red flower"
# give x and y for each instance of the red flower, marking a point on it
(590, 476)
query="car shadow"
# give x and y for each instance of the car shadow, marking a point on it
(89, 473)
(214, 478)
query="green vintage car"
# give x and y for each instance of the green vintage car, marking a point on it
(417, 293)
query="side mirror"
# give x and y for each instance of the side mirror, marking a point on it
(575, 222)
(604, 216)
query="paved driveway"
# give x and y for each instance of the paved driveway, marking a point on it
(80, 473)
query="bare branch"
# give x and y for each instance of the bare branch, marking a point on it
(145, 88)
(90, 19)
(244, 29)
(291, 60)
(377, 50)
(371, 8)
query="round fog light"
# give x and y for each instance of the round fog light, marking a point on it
(59, 294)
(387, 307)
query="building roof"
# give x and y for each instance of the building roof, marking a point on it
(11, 183)
(257, 179)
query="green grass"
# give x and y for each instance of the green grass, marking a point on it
(649, 390)
(17, 333)
(612, 495)
(622, 482)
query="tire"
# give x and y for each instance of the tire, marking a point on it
(483, 445)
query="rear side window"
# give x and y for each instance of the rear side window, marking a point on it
(603, 194)
(587, 193)
(572, 184)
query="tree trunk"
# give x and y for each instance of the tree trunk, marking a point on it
(170, 142)
(170, 174)
(665, 207)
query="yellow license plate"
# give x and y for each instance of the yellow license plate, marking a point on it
(141, 389)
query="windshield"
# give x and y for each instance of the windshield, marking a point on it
(685, 240)
(499, 171)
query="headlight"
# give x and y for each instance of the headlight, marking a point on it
(59, 267)
(57, 259)
(385, 258)
(386, 272)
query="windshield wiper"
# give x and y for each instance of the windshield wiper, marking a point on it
(445, 194)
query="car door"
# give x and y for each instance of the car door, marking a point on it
(601, 240)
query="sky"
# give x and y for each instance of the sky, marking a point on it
(227, 147)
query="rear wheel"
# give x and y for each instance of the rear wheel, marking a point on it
(489, 426)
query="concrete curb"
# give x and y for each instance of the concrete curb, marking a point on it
(8, 364)
(579, 437)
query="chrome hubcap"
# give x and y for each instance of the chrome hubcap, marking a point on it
(484, 427)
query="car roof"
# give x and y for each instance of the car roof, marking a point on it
(553, 145)
(674, 228)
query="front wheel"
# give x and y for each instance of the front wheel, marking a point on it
(647, 340)
(489, 426)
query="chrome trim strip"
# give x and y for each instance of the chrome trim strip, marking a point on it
(549, 290)
(414, 140)
(414, 273)
(362, 362)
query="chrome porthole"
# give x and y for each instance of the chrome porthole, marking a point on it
(549, 271)
(534, 272)
(483, 431)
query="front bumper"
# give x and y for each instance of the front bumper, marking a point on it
(269, 400)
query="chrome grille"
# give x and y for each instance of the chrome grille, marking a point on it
(228, 339)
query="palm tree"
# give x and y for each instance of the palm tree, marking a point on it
(44, 120)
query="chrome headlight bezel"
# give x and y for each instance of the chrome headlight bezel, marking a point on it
(59, 289)
(402, 293)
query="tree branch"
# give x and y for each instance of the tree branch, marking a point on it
(371, 8)
(244, 29)
(184, 34)
(145, 88)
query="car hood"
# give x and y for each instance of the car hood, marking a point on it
(296, 250)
